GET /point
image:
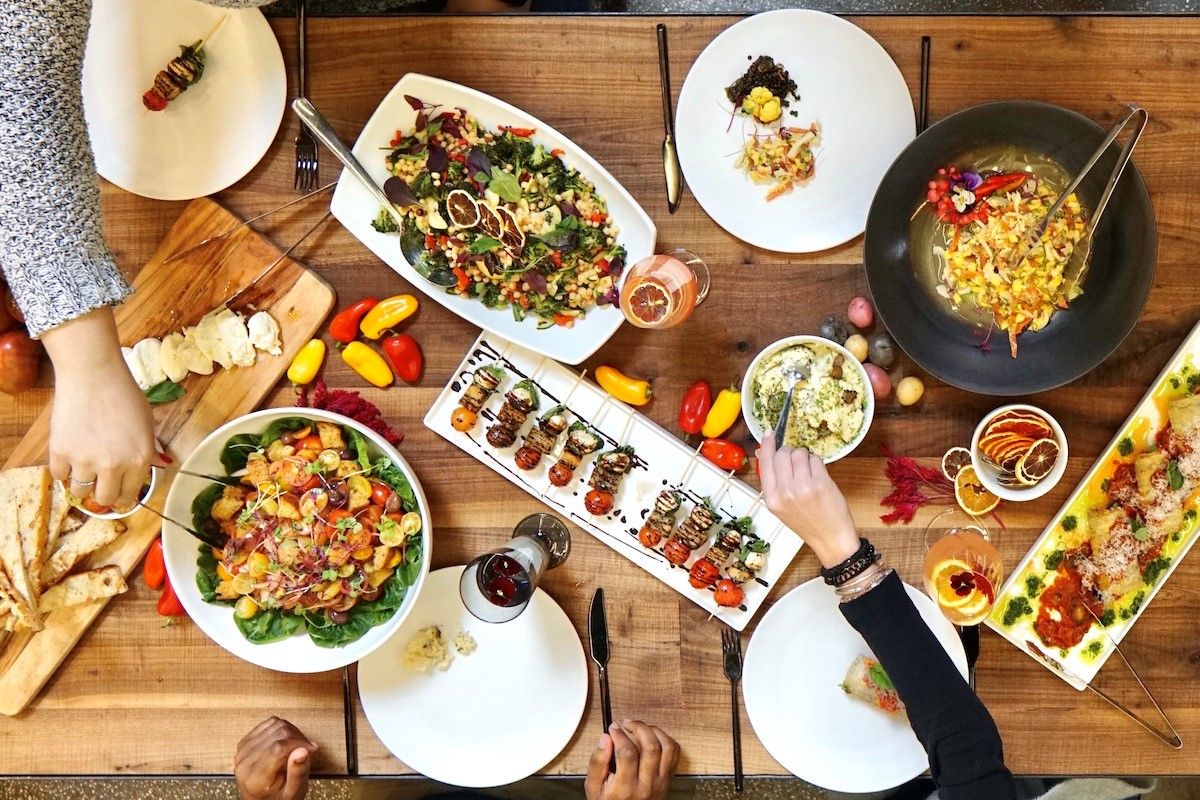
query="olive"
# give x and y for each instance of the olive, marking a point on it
(210, 527)
(337, 496)
(881, 350)
(339, 617)
(287, 437)
(835, 330)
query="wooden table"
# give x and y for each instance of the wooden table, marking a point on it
(140, 697)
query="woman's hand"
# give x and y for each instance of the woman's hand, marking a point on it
(800, 492)
(646, 761)
(101, 429)
(272, 762)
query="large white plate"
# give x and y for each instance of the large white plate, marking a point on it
(297, 653)
(847, 83)
(495, 716)
(794, 668)
(355, 208)
(662, 461)
(210, 136)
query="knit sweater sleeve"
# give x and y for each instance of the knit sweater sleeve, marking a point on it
(52, 246)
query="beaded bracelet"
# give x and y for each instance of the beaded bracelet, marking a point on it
(853, 566)
(864, 583)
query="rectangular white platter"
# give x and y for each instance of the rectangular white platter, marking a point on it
(354, 207)
(1076, 666)
(663, 461)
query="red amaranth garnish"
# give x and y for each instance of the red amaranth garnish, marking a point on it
(348, 404)
(913, 486)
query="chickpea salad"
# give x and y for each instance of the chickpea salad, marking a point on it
(317, 534)
(493, 216)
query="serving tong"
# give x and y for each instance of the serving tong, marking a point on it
(1076, 267)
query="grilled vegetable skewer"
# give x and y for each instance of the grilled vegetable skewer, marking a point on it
(183, 71)
(607, 473)
(690, 534)
(518, 403)
(751, 559)
(707, 570)
(484, 383)
(661, 521)
(581, 441)
(542, 437)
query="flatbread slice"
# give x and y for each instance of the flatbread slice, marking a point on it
(59, 509)
(12, 558)
(33, 516)
(84, 587)
(77, 545)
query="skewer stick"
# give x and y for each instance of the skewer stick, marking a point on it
(204, 39)
(563, 444)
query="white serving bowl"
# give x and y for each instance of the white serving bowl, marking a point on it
(297, 653)
(756, 429)
(988, 474)
(146, 493)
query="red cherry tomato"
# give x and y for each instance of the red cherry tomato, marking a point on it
(676, 552)
(728, 594)
(703, 573)
(380, 493)
(561, 474)
(598, 503)
(649, 537)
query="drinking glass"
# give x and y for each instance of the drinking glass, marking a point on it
(661, 291)
(498, 585)
(962, 568)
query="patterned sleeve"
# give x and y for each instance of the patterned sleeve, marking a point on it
(52, 248)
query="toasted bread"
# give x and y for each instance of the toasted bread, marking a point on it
(77, 545)
(59, 508)
(33, 516)
(83, 588)
(12, 557)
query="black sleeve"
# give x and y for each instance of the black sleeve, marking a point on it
(966, 758)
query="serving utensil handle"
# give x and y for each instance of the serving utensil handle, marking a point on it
(738, 777)
(784, 413)
(606, 713)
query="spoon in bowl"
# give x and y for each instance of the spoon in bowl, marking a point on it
(793, 375)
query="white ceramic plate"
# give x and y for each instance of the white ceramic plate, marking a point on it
(795, 665)
(847, 84)
(297, 653)
(990, 476)
(355, 208)
(210, 136)
(495, 716)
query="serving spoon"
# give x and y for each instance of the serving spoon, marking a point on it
(793, 375)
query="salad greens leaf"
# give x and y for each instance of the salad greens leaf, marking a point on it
(363, 616)
(358, 446)
(390, 474)
(203, 503)
(284, 424)
(268, 625)
(483, 244)
(166, 392)
(505, 185)
(237, 451)
(1174, 476)
(564, 236)
(206, 576)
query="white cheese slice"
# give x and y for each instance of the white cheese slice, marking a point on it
(147, 351)
(235, 338)
(198, 360)
(135, 368)
(264, 333)
(171, 359)
(208, 338)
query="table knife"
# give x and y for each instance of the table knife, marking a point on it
(969, 634)
(598, 641)
(671, 168)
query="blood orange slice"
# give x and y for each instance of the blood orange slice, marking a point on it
(462, 209)
(1038, 461)
(649, 302)
(489, 221)
(955, 459)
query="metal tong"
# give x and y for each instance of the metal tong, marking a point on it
(1082, 250)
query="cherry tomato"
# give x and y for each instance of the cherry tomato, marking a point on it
(597, 502)
(310, 442)
(527, 458)
(676, 552)
(728, 594)
(463, 419)
(561, 474)
(380, 492)
(94, 507)
(703, 573)
(649, 537)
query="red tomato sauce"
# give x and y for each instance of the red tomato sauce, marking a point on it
(1066, 596)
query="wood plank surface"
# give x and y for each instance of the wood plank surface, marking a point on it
(596, 80)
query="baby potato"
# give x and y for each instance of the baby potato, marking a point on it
(860, 312)
(881, 384)
(857, 345)
(909, 390)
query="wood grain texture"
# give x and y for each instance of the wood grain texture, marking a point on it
(596, 80)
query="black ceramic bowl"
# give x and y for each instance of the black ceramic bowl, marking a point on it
(1076, 340)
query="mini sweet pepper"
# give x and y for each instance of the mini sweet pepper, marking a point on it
(386, 314)
(367, 363)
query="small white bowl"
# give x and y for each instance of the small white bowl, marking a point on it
(988, 473)
(756, 429)
(146, 494)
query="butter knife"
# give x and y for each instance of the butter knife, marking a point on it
(598, 641)
(671, 169)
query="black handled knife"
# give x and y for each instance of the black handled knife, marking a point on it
(969, 634)
(598, 641)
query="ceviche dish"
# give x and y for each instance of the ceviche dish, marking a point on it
(318, 535)
(984, 221)
(828, 406)
(494, 216)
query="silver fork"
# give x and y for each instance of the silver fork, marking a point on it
(731, 646)
(307, 165)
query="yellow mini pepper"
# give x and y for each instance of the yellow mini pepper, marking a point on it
(367, 363)
(387, 314)
(724, 412)
(621, 386)
(307, 361)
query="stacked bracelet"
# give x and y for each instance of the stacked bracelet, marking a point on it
(858, 563)
(865, 582)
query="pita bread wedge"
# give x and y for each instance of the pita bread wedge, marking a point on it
(77, 545)
(12, 558)
(83, 588)
(59, 508)
(33, 516)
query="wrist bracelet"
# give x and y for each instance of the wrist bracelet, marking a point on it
(870, 579)
(855, 565)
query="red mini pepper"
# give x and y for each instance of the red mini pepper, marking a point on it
(344, 326)
(724, 453)
(404, 354)
(154, 571)
(697, 400)
(168, 603)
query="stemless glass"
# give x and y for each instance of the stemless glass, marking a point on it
(662, 291)
(962, 568)
(498, 585)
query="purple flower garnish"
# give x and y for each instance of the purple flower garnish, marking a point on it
(971, 181)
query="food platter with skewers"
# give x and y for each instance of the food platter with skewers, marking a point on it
(616, 474)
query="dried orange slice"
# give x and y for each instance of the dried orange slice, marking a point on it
(511, 233)
(954, 460)
(462, 209)
(650, 302)
(971, 494)
(489, 221)
(1038, 461)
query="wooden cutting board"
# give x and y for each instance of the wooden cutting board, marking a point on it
(167, 298)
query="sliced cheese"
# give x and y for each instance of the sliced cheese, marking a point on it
(135, 368)
(147, 352)
(264, 333)
(171, 359)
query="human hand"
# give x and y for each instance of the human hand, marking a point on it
(272, 762)
(799, 491)
(646, 761)
(101, 428)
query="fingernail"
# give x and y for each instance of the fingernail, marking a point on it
(300, 759)
(626, 721)
(614, 727)
(314, 745)
(166, 458)
(600, 742)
